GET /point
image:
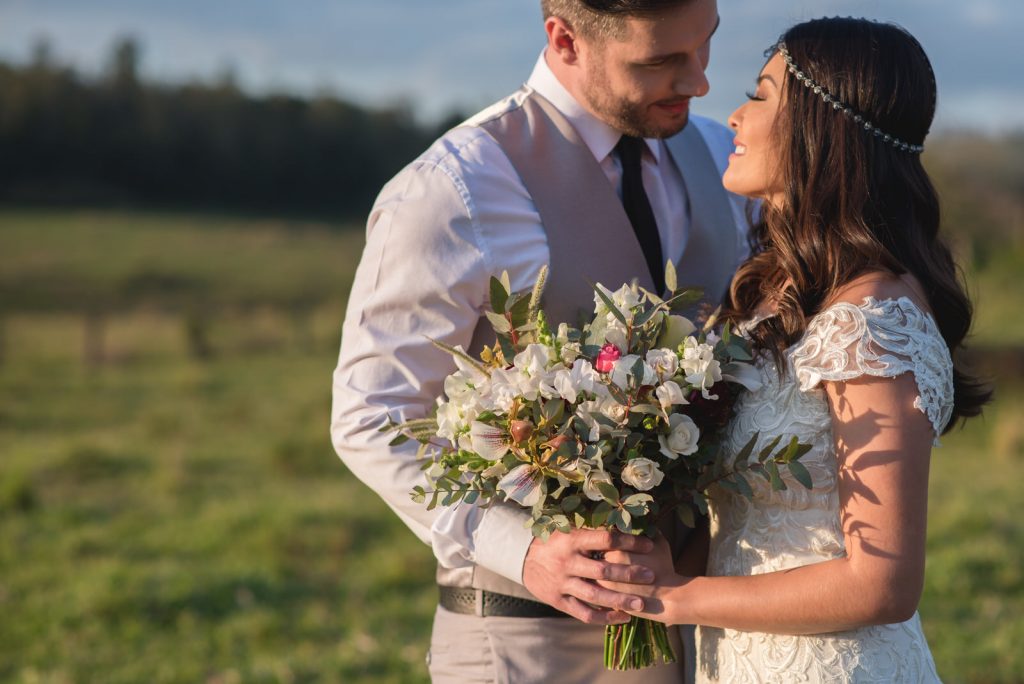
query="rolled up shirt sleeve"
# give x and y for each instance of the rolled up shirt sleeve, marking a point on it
(424, 276)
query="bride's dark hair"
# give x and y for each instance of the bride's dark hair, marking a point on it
(852, 202)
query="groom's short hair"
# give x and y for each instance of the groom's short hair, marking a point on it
(603, 18)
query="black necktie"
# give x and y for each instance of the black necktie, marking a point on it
(638, 208)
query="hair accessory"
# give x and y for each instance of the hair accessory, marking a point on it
(837, 104)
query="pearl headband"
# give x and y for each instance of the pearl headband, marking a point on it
(839, 105)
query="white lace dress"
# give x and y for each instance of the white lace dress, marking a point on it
(795, 527)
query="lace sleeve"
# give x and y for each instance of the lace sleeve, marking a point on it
(880, 338)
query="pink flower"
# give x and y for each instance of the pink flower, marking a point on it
(607, 358)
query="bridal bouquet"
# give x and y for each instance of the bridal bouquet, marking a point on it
(608, 426)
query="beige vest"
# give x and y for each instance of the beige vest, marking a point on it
(591, 240)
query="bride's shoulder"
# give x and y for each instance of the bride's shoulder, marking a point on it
(879, 289)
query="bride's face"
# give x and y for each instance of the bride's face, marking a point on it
(642, 84)
(754, 165)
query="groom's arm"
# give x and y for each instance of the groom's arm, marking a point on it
(432, 245)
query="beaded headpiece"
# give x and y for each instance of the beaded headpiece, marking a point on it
(837, 104)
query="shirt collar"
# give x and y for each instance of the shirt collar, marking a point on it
(599, 137)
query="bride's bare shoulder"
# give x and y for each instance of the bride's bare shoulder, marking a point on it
(881, 285)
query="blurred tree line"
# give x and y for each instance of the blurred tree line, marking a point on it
(114, 138)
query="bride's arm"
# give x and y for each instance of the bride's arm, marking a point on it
(883, 444)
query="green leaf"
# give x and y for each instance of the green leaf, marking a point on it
(608, 492)
(743, 486)
(399, 440)
(519, 310)
(637, 371)
(767, 451)
(800, 474)
(671, 281)
(685, 514)
(499, 322)
(627, 520)
(748, 448)
(600, 515)
(499, 294)
(685, 298)
(571, 503)
(773, 472)
(418, 494)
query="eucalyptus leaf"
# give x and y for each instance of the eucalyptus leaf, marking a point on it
(767, 451)
(800, 473)
(685, 515)
(671, 281)
(498, 321)
(399, 440)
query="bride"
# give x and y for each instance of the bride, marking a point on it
(855, 306)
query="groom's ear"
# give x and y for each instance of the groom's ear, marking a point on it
(562, 39)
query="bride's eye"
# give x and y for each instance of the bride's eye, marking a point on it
(754, 97)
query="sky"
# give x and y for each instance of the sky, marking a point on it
(441, 56)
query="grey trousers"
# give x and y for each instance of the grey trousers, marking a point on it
(466, 649)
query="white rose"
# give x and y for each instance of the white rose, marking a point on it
(642, 474)
(664, 362)
(682, 437)
(590, 489)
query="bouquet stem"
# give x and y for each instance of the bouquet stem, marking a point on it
(637, 644)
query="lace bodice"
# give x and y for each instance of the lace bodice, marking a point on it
(784, 529)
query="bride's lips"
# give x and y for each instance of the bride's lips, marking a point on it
(739, 149)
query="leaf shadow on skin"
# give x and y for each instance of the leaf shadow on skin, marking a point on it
(865, 427)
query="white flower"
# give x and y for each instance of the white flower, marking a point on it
(613, 409)
(615, 333)
(590, 489)
(584, 411)
(664, 362)
(622, 369)
(699, 365)
(449, 422)
(488, 441)
(624, 299)
(642, 474)
(568, 383)
(682, 437)
(570, 352)
(669, 393)
(533, 361)
(522, 485)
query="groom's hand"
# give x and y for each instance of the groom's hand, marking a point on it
(563, 572)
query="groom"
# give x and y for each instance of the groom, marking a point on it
(595, 168)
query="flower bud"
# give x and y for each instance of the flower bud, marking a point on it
(521, 430)
(607, 358)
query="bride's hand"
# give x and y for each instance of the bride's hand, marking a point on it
(660, 562)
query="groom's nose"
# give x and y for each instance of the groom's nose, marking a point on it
(691, 80)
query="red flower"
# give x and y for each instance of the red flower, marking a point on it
(607, 358)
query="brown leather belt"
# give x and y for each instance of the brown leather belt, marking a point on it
(491, 604)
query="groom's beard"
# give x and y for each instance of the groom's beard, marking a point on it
(630, 118)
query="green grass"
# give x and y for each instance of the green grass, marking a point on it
(169, 520)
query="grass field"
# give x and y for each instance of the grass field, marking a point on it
(170, 519)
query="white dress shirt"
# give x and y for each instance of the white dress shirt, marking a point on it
(438, 231)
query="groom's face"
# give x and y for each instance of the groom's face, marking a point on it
(641, 83)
